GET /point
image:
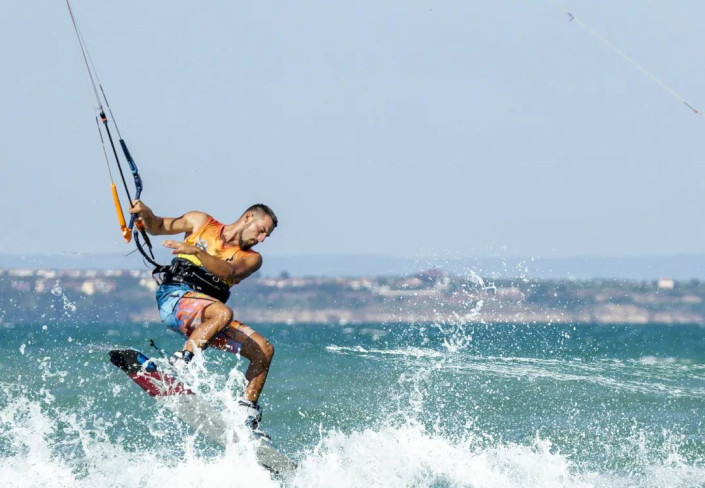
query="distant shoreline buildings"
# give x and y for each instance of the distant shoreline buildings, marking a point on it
(109, 296)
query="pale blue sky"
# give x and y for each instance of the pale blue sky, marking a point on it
(403, 128)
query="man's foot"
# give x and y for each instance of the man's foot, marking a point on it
(181, 358)
(260, 434)
(252, 413)
(253, 416)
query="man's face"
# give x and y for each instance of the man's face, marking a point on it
(256, 231)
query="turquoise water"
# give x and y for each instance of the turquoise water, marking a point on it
(370, 405)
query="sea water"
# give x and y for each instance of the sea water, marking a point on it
(393, 405)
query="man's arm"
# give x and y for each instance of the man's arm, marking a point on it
(232, 271)
(154, 225)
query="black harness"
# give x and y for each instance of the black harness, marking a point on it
(183, 271)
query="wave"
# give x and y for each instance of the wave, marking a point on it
(412, 352)
(41, 446)
(647, 375)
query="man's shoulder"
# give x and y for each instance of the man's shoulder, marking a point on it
(198, 219)
(197, 214)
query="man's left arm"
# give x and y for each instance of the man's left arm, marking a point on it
(232, 271)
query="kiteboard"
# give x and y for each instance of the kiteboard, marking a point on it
(186, 405)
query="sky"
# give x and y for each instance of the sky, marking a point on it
(401, 128)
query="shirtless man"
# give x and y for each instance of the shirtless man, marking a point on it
(212, 258)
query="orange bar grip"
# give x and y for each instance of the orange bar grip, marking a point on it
(121, 217)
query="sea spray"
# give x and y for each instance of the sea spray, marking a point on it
(409, 456)
(518, 405)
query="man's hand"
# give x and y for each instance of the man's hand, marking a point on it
(181, 247)
(141, 210)
(217, 266)
(144, 214)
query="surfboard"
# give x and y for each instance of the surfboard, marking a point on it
(186, 405)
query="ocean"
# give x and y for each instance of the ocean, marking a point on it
(366, 405)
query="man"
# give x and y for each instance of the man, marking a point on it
(212, 258)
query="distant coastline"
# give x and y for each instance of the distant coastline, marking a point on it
(682, 267)
(117, 296)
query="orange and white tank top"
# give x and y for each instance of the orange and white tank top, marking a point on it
(209, 239)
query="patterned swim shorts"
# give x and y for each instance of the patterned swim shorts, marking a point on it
(181, 310)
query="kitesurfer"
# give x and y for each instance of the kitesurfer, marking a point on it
(196, 285)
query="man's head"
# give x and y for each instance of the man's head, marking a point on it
(258, 223)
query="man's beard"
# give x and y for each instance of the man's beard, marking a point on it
(241, 243)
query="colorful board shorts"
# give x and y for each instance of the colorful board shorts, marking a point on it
(181, 310)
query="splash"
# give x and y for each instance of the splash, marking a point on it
(398, 410)
(68, 307)
(45, 446)
(41, 446)
(409, 456)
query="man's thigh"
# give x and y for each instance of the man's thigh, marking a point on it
(189, 312)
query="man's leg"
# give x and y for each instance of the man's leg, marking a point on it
(208, 322)
(214, 318)
(238, 337)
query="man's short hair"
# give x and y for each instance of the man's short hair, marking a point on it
(263, 209)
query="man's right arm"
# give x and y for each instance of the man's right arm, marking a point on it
(155, 225)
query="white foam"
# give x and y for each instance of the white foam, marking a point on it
(407, 456)
(44, 447)
(412, 352)
(647, 375)
(30, 439)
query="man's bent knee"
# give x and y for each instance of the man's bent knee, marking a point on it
(259, 350)
(221, 313)
(267, 351)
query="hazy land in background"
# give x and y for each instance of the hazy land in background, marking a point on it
(119, 296)
(676, 266)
